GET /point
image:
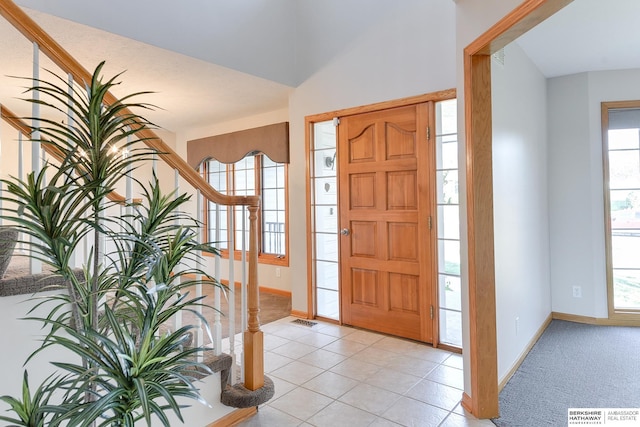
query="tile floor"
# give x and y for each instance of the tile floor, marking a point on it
(330, 375)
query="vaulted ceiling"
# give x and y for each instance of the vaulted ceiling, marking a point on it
(587, 35)
(217, 60)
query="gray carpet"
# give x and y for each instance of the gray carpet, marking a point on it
(573, 366)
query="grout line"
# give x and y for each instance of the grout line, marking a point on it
(318, 329)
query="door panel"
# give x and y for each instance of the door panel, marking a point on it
(386, 256)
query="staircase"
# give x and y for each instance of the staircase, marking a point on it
(247, 387)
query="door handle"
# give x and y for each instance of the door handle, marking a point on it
(345, 232)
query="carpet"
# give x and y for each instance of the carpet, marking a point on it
(573, 365)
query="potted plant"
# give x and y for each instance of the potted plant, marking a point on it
(125, 365)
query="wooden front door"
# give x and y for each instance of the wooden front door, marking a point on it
(386, 244)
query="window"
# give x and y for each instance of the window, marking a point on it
(324, 205)
(256, 174)
(621, 124)
(449, 287)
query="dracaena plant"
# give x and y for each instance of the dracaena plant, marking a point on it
(114, 316)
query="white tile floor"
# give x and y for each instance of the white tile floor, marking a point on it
(329, 375)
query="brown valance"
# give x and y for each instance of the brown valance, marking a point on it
(272, 140)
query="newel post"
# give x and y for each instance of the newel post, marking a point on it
(253, 337)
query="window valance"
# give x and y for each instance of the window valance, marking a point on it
(271, 140)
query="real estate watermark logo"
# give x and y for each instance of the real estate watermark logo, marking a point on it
(618, 417)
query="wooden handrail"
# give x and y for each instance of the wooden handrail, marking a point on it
(34, 33)
(21, 126)
(14, 121)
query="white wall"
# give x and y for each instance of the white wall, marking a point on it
(521, 225)
(19, 339)
(397, 57)
(576, 204)
(473, 17)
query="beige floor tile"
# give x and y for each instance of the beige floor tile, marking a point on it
(397, 382)
(370, 398)
(454, 360)
(336, 330)
(301, 403)
(455, 420)
(410, 412)
(383, 422)
(297, 372)
(281, 386)
(364, 337)
(273, 341)
(344, 347)
(355, 369)
(317, 339)
(289, 332)
(375, 355)
(294, 349)
(436, 394)
(428, 353)
(273, 361)
(447, 375)
(330, 384)
(411, 365)
(340, 414)
(396, 345)
(268, 417)
(271, 327)
(323, 359)
(461, 411)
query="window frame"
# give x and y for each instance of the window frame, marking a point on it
(263, 258)
(619, 314)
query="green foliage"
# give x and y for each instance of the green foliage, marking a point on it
(31, 410)
(130, 366)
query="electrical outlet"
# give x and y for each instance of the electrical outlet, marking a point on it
(517, 324)
(577, 291)
(277, 271)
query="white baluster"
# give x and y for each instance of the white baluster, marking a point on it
(35, 265)
(20, 156)
(232, 294)
(20, 177)
(217, 321)
(176, 186)
(199, 267)
(243, 284)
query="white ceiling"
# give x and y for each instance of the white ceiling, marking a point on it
(587, 35)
